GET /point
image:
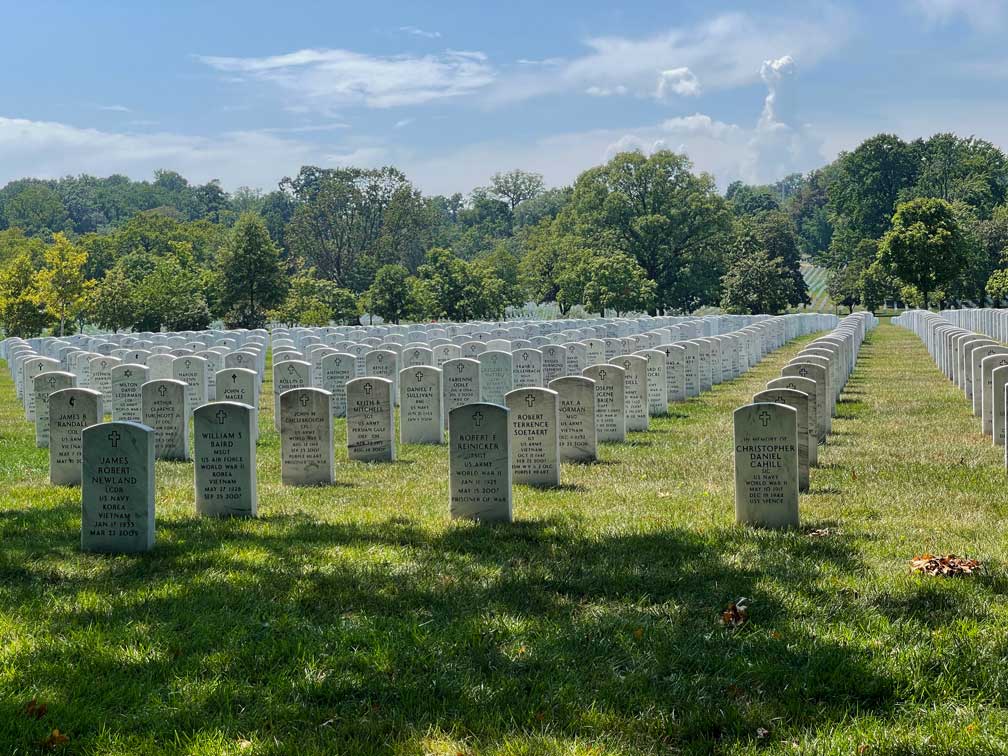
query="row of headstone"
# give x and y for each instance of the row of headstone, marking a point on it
(777, 436)
(475, 370)
(493, 446)
(968, 346)
(545, 424)
(114, 464)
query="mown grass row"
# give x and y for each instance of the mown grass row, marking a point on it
(359, 619)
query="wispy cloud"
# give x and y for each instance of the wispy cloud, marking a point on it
(723, 52)
(114, 108)
(403, 123)
(420, 32)
(49, 149)
(323, 79)
(983, 15)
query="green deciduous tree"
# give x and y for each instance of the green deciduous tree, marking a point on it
(515, 187)
(390, 295)
(251, 275)
(61, 286)
(338, 218)
(756, 284)
(172, 296)
(925, 248)
(112, 304)
(672, 222)
(21, 313)
(616, 282)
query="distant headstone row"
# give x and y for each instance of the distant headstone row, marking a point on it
(968, 346)
(777, 437)
(531, 394)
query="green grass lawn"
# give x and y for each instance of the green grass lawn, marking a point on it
(359, 619)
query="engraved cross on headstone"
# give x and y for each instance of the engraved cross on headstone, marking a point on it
(477, 419)
(529, 399)
(764, 417)
(367, 389)
(221, 417)
(114, 438)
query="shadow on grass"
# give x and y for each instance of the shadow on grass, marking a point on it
(413, 621)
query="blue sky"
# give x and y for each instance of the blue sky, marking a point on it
(454, 92)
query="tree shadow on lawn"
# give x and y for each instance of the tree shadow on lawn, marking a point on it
(543, 625)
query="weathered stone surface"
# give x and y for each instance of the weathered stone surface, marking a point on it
(532, 421)
(117, 512)
(71, 410)
(479, 463)
(306, 438)
(576, 438)
(421, 419)
(225, 460)
(164, 406)
(766, 465)
(610, 410)
(370, 424)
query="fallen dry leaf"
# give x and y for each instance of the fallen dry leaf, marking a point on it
(737, 613)
(638, 633)
(820, 533)
(55, 739)
(762, 732)
(949, 565)
(35, 710)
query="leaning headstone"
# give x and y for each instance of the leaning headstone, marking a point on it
(370, 421)
(71, 410)
(532, 420)
(164, 407)
(575, 418)
(225, 460)
(610, 409)
(117, 489)
(479, 463)
(420, 416)
(799, 401)
(126, 382)
(766, 465)
(44, 385)
(306, 438)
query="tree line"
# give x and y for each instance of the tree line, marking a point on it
(921, 221)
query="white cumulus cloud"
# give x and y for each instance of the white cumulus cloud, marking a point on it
(677, 81)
